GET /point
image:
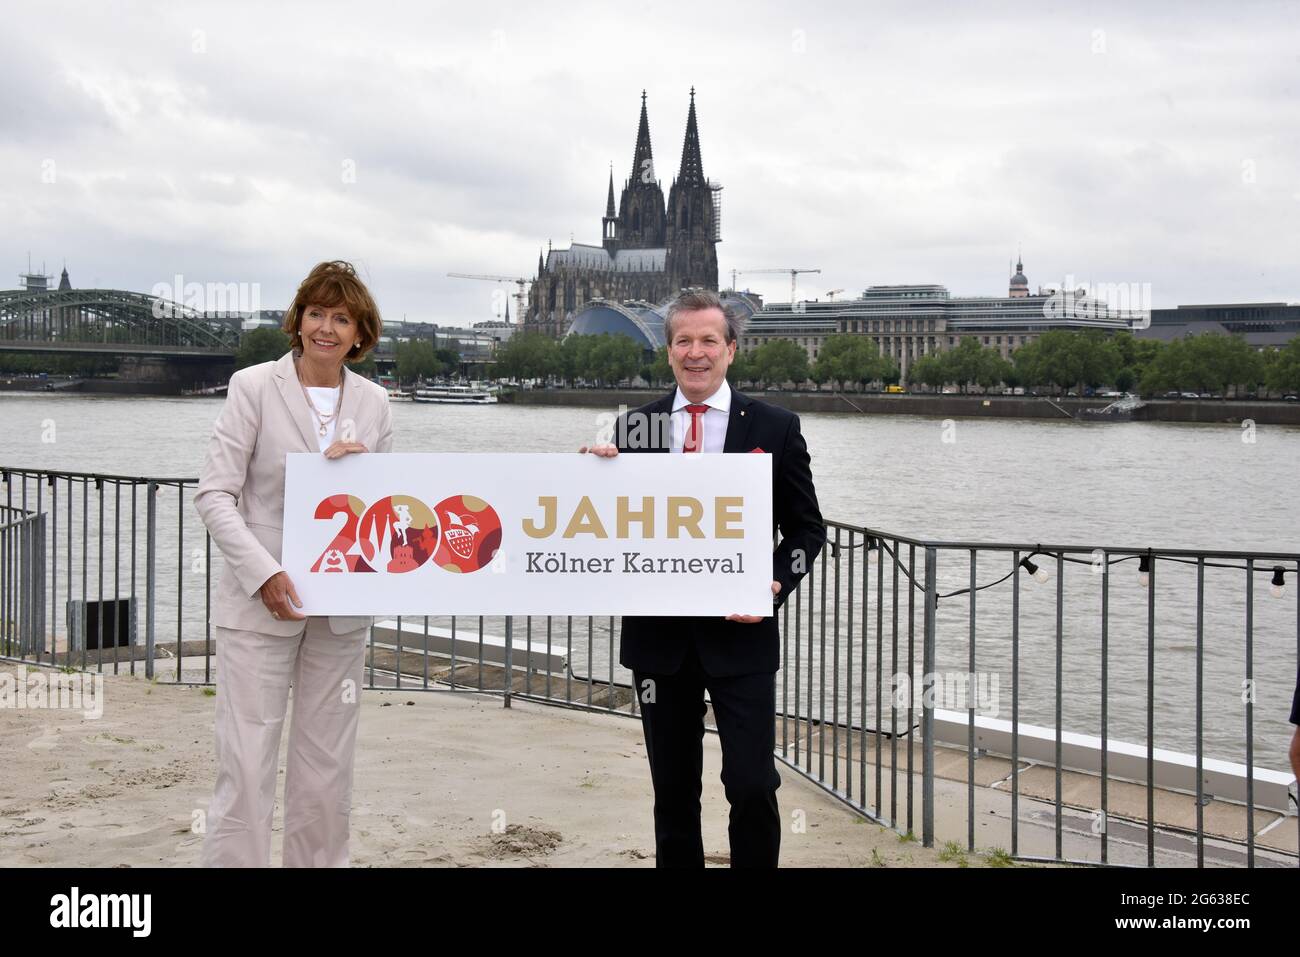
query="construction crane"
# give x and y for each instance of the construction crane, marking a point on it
(794, 274)
(521, 298)
(833, 293)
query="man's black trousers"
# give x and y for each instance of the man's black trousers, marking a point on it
(744, 710)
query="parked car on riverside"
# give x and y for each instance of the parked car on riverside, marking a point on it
(1190, 395)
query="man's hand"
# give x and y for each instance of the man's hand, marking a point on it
(340, 449)
(605, 451)
(750, 619)
(277, 593)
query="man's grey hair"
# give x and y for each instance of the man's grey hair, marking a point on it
(693, 300)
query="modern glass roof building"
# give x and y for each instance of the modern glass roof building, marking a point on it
(642, 321)
(637, 320)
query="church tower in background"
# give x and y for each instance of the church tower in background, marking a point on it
(641, 208)
(649, 250)
(693, 227)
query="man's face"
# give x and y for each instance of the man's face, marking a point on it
(699, 352)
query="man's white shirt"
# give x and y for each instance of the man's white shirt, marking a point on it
(714, 421)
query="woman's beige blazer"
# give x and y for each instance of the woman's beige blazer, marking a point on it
(241, 489)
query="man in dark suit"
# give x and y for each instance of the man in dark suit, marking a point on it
(674, 660)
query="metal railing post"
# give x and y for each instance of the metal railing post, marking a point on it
(510, 660)
(927, 699)
(24, 585)
(38, 626)
(150, 575)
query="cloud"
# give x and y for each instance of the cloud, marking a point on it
(887, 144)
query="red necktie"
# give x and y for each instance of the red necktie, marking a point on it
(694, 441)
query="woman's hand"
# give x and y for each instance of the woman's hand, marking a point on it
(340, 449)
(750, 619)
(605, 451)
(277, 592)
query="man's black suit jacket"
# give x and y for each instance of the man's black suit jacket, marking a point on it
(658, 645)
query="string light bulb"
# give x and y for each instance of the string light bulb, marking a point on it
(1040, 574)
(1144, 570)
(1278, 585)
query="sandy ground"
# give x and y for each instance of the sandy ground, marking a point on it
(438, 778)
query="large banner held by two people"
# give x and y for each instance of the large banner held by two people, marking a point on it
(436, 533)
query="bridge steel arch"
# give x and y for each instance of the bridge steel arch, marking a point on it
(104, 317)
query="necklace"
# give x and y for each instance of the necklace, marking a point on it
(322, 419)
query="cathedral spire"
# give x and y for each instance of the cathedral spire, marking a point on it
(643, 163)
(692, 170)
(541, 266)
(609, 223)
(640, 219)
(692, 236)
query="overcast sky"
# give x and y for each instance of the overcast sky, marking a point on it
(882, 143)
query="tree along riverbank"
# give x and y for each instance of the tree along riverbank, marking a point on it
(945, 406)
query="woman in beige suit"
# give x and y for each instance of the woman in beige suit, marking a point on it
(306, 401)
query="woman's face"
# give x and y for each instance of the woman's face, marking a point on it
(328, 333)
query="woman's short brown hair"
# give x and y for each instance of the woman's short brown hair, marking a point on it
(331, 284)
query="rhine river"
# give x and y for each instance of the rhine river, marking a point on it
(1134, 485)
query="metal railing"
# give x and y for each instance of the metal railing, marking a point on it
(1110, 689)
(22, 580)
(891, 648)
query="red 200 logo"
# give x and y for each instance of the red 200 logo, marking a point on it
(400, 533)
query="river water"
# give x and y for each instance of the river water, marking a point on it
(1137, 485)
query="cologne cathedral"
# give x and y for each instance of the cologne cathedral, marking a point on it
(650, 250)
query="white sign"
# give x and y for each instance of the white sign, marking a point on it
(530, 534)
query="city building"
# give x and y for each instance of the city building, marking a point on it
(910, 321)
(1262, 324)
